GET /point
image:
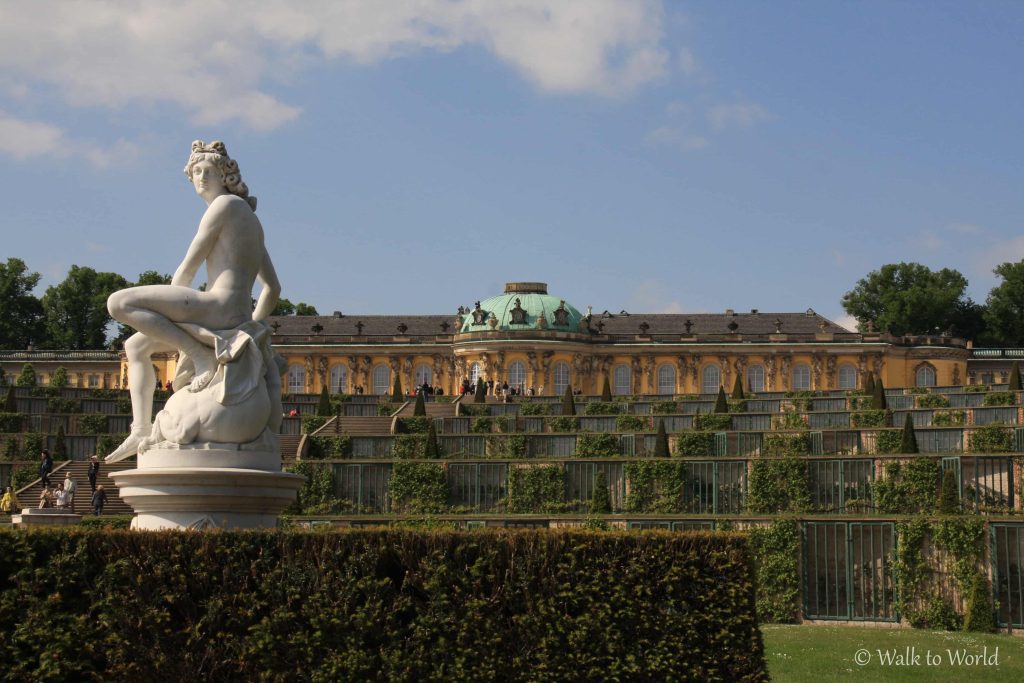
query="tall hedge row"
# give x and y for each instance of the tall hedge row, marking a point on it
(367, 605)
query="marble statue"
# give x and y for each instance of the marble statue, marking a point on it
(227, 387)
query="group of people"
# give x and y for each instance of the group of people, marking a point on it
(62, 495)
(502, 390)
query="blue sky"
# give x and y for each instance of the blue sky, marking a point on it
(411, 157)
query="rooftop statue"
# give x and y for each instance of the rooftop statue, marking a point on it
(227, 387)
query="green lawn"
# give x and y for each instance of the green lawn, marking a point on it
(826, 653)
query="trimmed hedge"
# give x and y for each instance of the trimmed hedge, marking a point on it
(367, 605)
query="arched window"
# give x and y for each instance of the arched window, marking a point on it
(474, 372)
(666, 379)
(710, 379)
(623, 380)
(339, 379)
(925, 376)
(801, 377)
(296, 379)
(561, 377)
(755, 378)
(847, 376)
(381, 379)
(517, 374)
(424, 375)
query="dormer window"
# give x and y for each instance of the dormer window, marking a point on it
(561, 315)
(518, 313)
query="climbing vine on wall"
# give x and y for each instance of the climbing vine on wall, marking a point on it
(418, 487)
(536, 489)
(776, 549)
(908, 487)
(778, 485)
(655, 486)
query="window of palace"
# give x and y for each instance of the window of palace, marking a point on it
(755, 378)
(710, 379)
(296, 379)
(424, 375)
(474, 372)
(623, 380)
(517, 374)
(94, 381)
(381, 379)
(561, 376)
(847, 376)
(666, 379)
(339, 379)
(925, 376)
(801, 377)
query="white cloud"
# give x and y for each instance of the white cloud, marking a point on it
(966, 228)
(21, 139)
(687, 62)
(214, 58)
(740, 115)
(669, 136)
(650, 296)
(931, 241)
(1008, 251)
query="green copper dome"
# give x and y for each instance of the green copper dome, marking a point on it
(523, 306)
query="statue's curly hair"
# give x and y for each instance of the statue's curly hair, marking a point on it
(217, 153)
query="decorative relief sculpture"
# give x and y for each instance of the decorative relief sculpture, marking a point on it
(785, 361)
(769, 371)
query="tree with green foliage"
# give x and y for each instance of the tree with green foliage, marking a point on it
(568, 404)
(75, 310)
(908, 298)
(1015, 377)
(1004, 308)
(420, 410)
(878, 400)
(721, 403)
(59, 379)
(737, 387)
(600, 500)
(286, 307)
(661, 449)
(480, 394)
(979, 615)
(323, 406)
(949, 494)
(11, 401)
(606, 390)
(21, 313)
(432, 449)
(27, 376)
(396, 390)
(908, 439)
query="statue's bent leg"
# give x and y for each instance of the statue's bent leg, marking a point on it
(139, 350)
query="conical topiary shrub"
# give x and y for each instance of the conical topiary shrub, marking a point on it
(1015, 377)
(737, 387)
(600, 501)
(878, 401)
(421, 407)
(661, 449)
(396, 390)
(908, 440)
(60, 447)
(606, 391)
(11, 402)
(721, 403)
(568, 404)
(978, 617)
(481, 391)
(432, 450)
(949, 495)
(323, 406)
(869, 383)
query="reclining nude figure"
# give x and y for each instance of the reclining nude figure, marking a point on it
(176, 317)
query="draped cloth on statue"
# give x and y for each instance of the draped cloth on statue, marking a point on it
(243, 356)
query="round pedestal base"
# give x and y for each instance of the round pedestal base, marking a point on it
(207, 488)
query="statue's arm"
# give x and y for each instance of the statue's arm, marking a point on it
(202, 243)
(271, 292)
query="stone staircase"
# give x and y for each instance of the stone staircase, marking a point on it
(290, 444)
(433, 409)
(362, 426)
(79, 469)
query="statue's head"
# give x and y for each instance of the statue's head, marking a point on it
(217, 154)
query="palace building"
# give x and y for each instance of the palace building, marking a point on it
(530, 338)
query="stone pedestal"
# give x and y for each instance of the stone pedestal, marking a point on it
(214, 487)
(46, 517)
